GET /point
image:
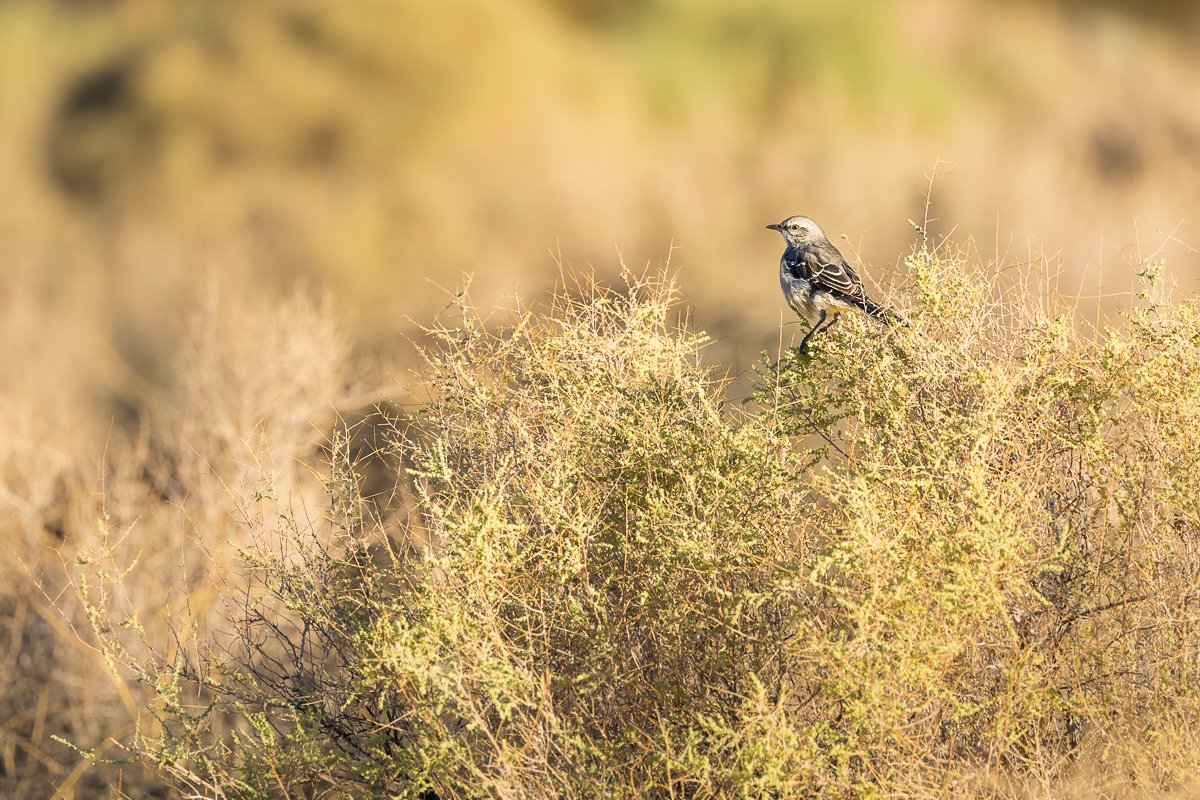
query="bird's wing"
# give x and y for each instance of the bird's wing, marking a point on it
(827, 268)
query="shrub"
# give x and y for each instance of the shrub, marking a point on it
(1000, 532)
(929, 561)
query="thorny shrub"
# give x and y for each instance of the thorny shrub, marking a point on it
(955, 557)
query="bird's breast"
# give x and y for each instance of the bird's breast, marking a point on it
(797, 292)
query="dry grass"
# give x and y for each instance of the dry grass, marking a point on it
(258, 384)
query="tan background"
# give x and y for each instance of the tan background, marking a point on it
(382, 149)
(171, 171)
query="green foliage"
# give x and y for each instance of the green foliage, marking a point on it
(935, 560)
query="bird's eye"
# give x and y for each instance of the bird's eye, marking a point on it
(793, 227)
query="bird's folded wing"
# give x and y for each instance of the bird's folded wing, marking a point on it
(827, 268)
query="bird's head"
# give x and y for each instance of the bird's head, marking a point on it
(799, 230)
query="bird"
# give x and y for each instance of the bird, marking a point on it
(817, 282)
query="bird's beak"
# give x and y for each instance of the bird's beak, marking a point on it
(775, 227)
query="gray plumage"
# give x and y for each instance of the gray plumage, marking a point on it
(816, 280)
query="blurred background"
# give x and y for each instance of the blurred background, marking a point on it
(152, 151)
(174, 172)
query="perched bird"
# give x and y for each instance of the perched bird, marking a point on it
(816, 280)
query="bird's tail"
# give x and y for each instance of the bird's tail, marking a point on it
(883, 313)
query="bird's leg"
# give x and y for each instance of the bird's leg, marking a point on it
(807, 336)
(832, 321)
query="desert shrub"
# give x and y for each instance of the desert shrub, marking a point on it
(951, 558)
(1002, 530)
(607, 543)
